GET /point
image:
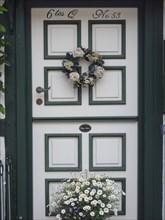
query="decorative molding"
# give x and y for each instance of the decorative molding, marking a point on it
(47, 192)
(119, 154)
(119, 27)
(74, 164)
(58, 24)
(72, 96)
(119, 96)
(97, 118)
(123, 202)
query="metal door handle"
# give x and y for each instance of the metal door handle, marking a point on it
(39, 89)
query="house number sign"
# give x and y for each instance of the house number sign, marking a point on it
(97, 14)
(85, 128)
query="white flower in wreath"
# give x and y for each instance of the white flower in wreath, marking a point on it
(74, 76)
(99, 71)
(91, 81)
(78, 52)
(72, 63)
(86, 81)
(68, 64)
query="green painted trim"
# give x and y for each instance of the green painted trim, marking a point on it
(91, 4)
(21, 114)
(52, 22)
(28, 91)
(153, 109)
(164, 77)
(1, 191)
(141, 88)
(2, 127)
(96, 118)
(123, 203)
(123, 84)
(46, 84)
(47, 181)
(9, 188)
(106, 168)
(63, 169)
(123, 37)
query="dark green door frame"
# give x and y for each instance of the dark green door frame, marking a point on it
(150, 105)
(153, 109)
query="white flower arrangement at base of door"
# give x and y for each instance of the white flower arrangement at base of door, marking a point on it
(86, 197)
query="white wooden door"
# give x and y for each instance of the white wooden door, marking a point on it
(109, 109)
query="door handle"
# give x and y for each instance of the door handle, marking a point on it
(39, 89)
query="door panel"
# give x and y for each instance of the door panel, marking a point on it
(110, 147)
(60, 145)
(115, 39)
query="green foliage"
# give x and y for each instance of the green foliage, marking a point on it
(2, 9)
(3, 55)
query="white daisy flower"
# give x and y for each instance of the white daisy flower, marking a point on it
(102, 205)
(99, 192)
(86, 199)
(101, 212)
(109, 206)
(106, 210)
(92, 213)
(63, 211)
(86, 191)
(80, 214)
(58, 216)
